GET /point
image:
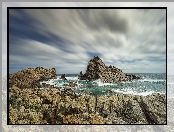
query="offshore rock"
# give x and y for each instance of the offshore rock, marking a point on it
(63, 77)
(30, 78)
(96, 69)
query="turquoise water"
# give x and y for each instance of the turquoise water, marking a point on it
(150, 83)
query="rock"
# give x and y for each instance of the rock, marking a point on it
(132, 77)
(84, 118)
(68, 92)
(110, 90)
(96, 69)
(15, 90)
(63, 77)
(65, 84)
(31, 77)
(51, 106)
(22, 108)
(114, 119)
(154, 107)
(43, 84)
(72, 84)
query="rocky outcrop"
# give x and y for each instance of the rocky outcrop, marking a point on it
(71, 84)
(30, 78)
(96, 69)
(63, 77)
(53, 106)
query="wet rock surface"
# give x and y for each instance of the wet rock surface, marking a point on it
(96, 69)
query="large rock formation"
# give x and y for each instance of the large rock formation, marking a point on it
(96, 69)
(30, 78)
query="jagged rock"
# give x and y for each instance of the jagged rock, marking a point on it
(65, 84)
(63, 77)
(68, 92)
(30, 78)
(96, 69)
(72, 84)
(132, 77)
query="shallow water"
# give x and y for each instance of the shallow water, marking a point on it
(150, 83)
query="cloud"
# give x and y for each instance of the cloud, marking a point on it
(33, 53)
(31, 47)
(74, 36)
(102, 31)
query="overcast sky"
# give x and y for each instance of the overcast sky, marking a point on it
(130, 39)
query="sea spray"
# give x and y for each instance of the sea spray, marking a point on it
(150, 83)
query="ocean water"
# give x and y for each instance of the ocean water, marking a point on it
(150, 83)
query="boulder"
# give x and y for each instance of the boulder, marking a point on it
(63, 77)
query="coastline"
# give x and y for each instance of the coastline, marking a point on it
(28, 104)
(53, 106)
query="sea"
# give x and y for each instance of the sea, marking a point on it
(148, 84)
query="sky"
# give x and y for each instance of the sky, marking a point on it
(133, 40)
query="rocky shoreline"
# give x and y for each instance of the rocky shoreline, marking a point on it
(53, 106)
(28, 104)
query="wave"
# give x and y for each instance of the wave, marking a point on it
(132, 92)
(152, 80)
(142, 87)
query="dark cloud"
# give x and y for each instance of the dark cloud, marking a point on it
(106, 18)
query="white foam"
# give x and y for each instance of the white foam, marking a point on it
(132, 92)
(72, 78)
(151, 80)
(81, 86)
(99, 83)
